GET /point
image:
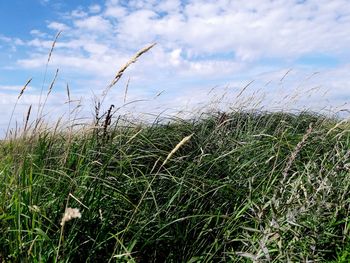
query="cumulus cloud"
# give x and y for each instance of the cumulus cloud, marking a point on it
(251, 31)
(201, 44)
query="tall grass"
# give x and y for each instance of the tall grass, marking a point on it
(261, 187)
(240, 186)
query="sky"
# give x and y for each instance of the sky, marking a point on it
(294, 53)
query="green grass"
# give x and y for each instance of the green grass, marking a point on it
(227, 187)
(246, 187)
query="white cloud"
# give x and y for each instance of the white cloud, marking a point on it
(54, 109)
(5, 39)
(39, 43)
(38, 33)
(116, 12)
(200, 44)
(176, 57)
(250, 30)
(78, 13)
(10, 88)
(94, 23)
(169, 6)
(57, 26)
(94, 9)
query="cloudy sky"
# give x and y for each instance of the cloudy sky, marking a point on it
(289, 48)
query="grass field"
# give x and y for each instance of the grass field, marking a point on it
(233, 187)
(237, 186)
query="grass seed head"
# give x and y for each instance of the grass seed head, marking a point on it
(70, 214)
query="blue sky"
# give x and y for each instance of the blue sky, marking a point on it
(200, 45)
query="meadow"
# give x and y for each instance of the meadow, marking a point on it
(237, 186)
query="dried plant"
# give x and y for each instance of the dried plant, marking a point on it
(126, 90)
(45, 74)
(24, 88)
(121, 71)
(295, 153)
(15, 106)
(53, 45)
(27, 118)
(68, 93)
(70, 214)
(177, 147)
(108, 121)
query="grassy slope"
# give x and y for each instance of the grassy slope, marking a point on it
(256, 187)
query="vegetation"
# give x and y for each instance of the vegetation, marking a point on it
(240, 186)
